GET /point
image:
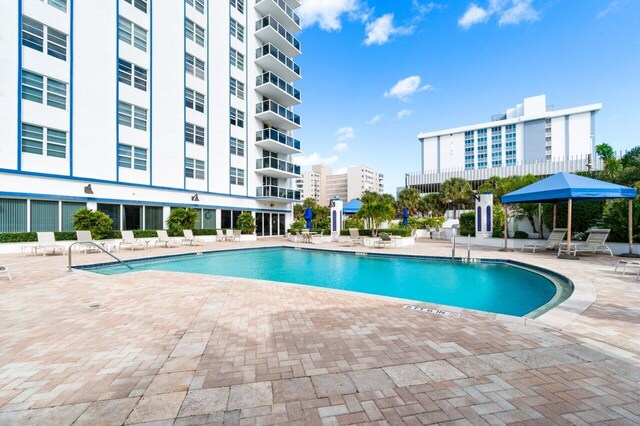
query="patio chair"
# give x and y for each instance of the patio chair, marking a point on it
(165, 240)
(627, 263)
(354, 236)
(47, 243)
(383, 241)
(5, 269)
(595, 243)
(231, 236)
(437, 233)
(554, 240)
(130, 242)
(190, 239)
(316, 236)
(237, 234)
(220, 235)
(85, 241)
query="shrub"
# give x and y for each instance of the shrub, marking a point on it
(467, 224)
(433, 221)
(321, 223)
(520, 235)
(616, 218)
(95, 221)
(401, 232)
(180, 219)
(298, 225)
(246, 223)
(498, 222)
(585, 214)
(354, 222)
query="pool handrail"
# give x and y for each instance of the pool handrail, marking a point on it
(99, 247)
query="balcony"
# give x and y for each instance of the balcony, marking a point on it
(269, 30)
(275, 141)
(280, 10)
(277, 193)
(277, 116)
(276, 168)
(271, 59)
(273, 87)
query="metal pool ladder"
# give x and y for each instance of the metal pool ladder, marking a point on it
(99, 247)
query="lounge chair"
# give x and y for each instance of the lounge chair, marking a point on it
(190, 239)
(47, 243)
(355, 237)
(595, 243)
(437, 233)
(231, 236)
(314, 236)
(130, 242)
(220, 235)
(237, 234)
(383, 241)
(627, 263)
(554, 240)
(165, 240)
(6, 271)
(85, 242)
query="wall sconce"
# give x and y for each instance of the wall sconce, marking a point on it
(194, 197)
(88, 189)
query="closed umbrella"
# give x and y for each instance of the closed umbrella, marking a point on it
(308, 215)
(405, 216)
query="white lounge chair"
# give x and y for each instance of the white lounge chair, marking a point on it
(5, 269)
(130, 242)
(220, 235)
(437, 233)
(384, 240)
(554, 240)
(231, 236)
(85, 239)
(354, 236)
(165, 240)
(47, 243)
(627, 263)
(190, 239)
(237, 234)
(595, 243)
(317, 236)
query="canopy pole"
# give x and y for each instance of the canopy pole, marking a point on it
(555, 214)
(569, 208)
(506, 228)
(540, 220)
(630, 226)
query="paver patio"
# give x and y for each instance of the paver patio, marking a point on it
(172, 348)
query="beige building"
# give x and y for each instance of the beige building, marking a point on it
(322, 185)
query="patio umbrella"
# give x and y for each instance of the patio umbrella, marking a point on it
(405, 216)
(308, 215)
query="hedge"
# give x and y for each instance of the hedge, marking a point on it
(401, 232)
(30, 237)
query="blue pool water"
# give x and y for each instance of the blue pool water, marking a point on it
(492, 287)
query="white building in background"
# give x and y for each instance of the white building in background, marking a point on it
(136, 106)
(533, 138)
(322, 185)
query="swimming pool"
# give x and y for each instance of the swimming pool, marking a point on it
(492, 286)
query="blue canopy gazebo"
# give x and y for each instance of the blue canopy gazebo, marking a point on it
(352, 207)
(569, 187)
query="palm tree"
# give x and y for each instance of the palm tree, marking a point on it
(377, 208)
(409, 198)
(457, 192)
(431, 205)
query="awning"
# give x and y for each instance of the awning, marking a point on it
(352, 207)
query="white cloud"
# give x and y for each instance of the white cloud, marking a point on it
(327, 13)
(406, 88)
(341, 171)
(345, 134)
(375, 119)
(340, 147)
(473, 15)
(611, 7)
(380, 30)
(520, 11)
(404, 113)
(313, 159)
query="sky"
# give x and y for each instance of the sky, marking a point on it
(378, 72)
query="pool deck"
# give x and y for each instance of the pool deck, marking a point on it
(172, 348)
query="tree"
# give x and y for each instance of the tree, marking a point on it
(612, 166)
(409, 198)
(456, 192)
(246, 223)
(431, 205)
(377, 208)
(95, 221)
(181, 218)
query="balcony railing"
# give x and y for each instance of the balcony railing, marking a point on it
(275, 163)
(277, 192)
(286, 9)
(270, 49)
(276, 136)
(270, 21)
(269, 77)
(278, 109)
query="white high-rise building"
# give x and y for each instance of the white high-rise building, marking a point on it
(532, 138)
(321, 185)
(136, 106)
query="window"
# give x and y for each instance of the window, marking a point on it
(132, 75)
(236, 30)
(236, 88)
(194, 168)
(56, 93)
(194, 66)
(129, 115)
(194, 134)
(33, 141)
(58, 4)
(33, 35)
(236, 117)
(236, 176)
(237, 147)
(197, 5)
(236, 59)
(32, 86)
(132, 156)
(194, 100)
(133, 34)
(194, 32)
(238, 5)
(139, 4)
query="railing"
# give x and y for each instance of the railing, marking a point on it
(269, 77)
(269, 21)
(275, 163)
(276, 108)
(270, 49)
(99, 247)
(276, 136)
(277, 192)
(286, 9)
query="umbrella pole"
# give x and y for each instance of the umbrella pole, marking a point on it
(630, 226)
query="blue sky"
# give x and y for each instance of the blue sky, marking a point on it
(378, 72)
